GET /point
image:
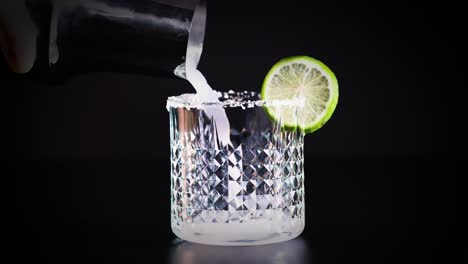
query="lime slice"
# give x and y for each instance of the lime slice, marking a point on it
(305, 77)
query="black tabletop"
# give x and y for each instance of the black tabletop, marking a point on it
(363, 210)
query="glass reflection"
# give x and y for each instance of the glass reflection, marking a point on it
(289, 252)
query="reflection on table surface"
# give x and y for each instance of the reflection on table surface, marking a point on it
(289, 252)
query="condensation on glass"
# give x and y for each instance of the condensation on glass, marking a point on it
(244, 193)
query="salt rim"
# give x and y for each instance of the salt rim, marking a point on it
(229, 99)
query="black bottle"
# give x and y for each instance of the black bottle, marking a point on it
(58, 38)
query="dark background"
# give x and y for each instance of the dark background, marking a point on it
(89, 158)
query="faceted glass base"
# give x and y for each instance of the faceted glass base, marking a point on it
(242, 234)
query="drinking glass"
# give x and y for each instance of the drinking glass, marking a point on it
(245, 192)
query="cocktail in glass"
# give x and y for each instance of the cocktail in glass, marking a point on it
(248, 191)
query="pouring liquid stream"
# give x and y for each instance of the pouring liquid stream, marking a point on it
(204, 92)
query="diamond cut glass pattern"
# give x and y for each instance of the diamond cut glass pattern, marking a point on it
(247, 192)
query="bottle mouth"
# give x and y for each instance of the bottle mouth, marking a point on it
(196, 36)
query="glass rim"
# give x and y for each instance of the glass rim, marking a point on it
(231, 99)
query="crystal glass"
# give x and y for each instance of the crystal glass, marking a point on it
(245, 192)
